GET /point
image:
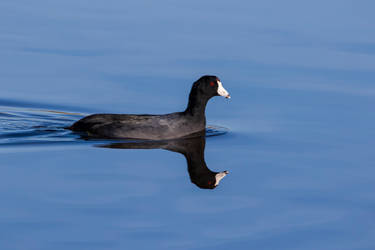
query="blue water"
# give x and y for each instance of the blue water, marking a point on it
(296, 137)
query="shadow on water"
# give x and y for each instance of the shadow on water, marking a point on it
(191, 148)
(33, 126)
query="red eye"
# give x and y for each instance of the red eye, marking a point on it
(212, 84)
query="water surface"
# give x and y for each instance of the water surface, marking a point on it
(298, 144)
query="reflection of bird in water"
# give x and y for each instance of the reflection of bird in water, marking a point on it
(192, 149)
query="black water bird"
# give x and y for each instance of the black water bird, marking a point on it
(157, 127)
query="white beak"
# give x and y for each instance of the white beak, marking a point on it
(220, 176)
(221, 91)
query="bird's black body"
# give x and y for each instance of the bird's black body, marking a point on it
(155, 127)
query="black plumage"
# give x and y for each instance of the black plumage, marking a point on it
(156, 127)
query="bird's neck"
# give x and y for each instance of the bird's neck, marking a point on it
(197, 105)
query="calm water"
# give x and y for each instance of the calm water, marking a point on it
(297, 137)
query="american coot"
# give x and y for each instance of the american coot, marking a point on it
(192, 149)
(157, 127)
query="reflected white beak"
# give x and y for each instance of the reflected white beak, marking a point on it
(220, 176)
(221, 91)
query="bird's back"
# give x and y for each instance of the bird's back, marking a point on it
(153, 127)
